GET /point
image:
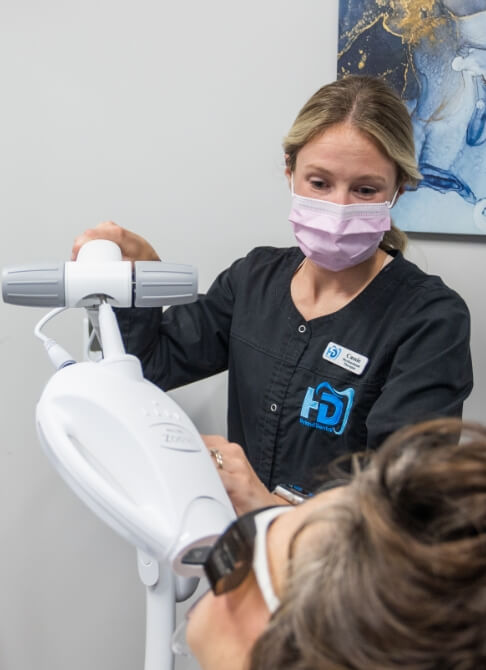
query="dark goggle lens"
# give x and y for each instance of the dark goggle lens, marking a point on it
(231, 580)
(230, 559)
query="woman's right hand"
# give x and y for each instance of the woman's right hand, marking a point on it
(133, 247)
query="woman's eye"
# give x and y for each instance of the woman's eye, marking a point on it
(317, 183)
(366, 190)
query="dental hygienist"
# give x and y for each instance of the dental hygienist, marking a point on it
(330, 345)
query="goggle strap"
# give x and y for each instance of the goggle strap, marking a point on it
(261, 568)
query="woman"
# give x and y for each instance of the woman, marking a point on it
(331, 345)
(386, 572)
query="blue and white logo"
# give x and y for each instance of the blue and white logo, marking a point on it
(332, 351)
(325, 408)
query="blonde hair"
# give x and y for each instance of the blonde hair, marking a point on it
(395, 574)
(374, 109)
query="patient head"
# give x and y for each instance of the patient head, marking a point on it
(388, 571)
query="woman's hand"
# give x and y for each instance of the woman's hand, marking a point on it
(133, 247)
(241, 482)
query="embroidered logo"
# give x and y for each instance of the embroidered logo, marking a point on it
(325, 408)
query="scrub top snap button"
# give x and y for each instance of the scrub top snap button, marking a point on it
(273, 407)
(302, 328)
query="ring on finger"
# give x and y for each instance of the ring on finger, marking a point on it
(218, 456)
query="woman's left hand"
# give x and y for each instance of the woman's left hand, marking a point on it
(240, 480)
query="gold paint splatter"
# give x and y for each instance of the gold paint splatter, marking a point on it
(362, 62)
(414, 20)
(411, 20)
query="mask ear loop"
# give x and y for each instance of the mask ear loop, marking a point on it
(292, 192)
(394, 199)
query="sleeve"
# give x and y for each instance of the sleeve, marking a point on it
(184, 343)
(431, 370)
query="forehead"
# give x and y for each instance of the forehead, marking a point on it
(344, 149)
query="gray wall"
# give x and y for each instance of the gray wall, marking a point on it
(167, 118)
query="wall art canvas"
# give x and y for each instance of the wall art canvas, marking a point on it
(433, 52)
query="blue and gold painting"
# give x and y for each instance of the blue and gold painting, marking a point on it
(433, 53)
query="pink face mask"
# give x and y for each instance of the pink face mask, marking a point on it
(337, 237)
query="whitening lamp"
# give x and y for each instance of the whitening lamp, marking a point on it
(126, 448)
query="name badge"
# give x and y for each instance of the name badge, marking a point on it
(345, 358)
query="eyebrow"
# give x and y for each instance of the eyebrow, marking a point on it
(373, 177)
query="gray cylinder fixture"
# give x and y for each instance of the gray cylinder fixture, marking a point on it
(39, 285)
(159, 283)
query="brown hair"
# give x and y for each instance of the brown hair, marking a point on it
(374, 109)
(395, 576)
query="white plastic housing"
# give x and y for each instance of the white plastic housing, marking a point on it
(134, 458)
(98, 270)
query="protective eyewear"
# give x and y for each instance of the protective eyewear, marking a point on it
(241, 548)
